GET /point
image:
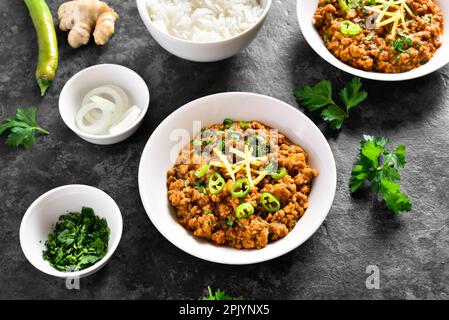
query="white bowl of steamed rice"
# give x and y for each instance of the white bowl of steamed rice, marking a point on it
(203, 30)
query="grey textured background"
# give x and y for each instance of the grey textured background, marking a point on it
(411, 250)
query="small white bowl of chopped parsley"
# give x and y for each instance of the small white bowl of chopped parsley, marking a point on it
(71, 231)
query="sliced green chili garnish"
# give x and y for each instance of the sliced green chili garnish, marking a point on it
(240, 188)
(202, 171)
(244, 210)
(343, 4)
(216, 183)
(280, 174)
(348, 27)
(244, 124)
(269, 202)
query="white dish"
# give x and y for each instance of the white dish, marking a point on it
(159, 153)
(44, 212)
(70, 99)
(305, 11)
(202, 51)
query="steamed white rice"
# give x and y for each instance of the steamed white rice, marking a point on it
(204, 20)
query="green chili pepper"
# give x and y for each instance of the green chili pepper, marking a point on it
(240, 188)
(280, 174)
(216, 183)
(348, 27)
(244, 210)
(344, 5)
(47, 42)
(202, 171)
(244, 124)
(269, 202)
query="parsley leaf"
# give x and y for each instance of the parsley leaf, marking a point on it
(320, 96)
(381, 167)
(21, 129)
(334, 115)
(315, 97)
(351, 94)
(220, 295)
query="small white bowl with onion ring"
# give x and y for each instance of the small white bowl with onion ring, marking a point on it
(98, 89)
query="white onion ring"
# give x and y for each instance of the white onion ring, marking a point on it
(126, 121)
(118, 96)
(100, 125)
(122, 93)
(116, 113)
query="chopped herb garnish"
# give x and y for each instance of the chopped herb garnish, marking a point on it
(231, 134)
(228, 122)
(401, 42)
(229, 223)
(221, 146)
(79, 240)
(199, 185)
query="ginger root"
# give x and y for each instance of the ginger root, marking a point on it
(81, 17)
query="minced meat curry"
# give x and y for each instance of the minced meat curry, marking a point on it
(389, 36)
(240, 184)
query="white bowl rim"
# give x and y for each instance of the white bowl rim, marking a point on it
(409, 75)
(141, 5)
(101, 137)
(293, 245)
(81, 273)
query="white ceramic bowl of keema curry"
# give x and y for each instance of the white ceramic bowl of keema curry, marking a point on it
(164, 145)
(367, 21)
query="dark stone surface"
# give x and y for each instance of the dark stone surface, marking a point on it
(411, 250)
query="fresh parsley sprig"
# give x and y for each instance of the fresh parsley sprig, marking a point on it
(220, 295)
(380, 168)
(320, 97)
(22, 128)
